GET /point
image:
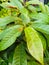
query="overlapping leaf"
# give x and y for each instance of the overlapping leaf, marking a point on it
(32, 2)
(40, 18)
(33, 63)
(43, 29)
(6, 20)
(34, 44)
(2, 62)
(32, 9)
(19, 57)
(9, 36)
(43, 40)
(22, 9)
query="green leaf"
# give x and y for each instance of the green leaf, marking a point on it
(47, 9)
(22, 9)
(1, 60)
(16, 3)
(47, 38)
(19, 5)
(32, 8)
(19, 57)
(5, 5)
(40, 18)
(42, 7)
(25, 19)
(9, 36)
(34, 44)
(10, 57)
(4, 63)
(22, 1)
(43, 29)
(6, 20)
(33, 63)
(29, 57)
(43, 41)
(32, 2)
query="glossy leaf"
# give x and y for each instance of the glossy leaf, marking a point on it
(43, 40)
(42, 7)
(19, 57)
(32, 2)
(19, 5)
(6, 20)
(43, 29)
(9, 36)
(22, 9)
(22, 1)
(16, 3)
(5, 5)
(40, 18)
(34, 44)
(32, 8)
(25, 19)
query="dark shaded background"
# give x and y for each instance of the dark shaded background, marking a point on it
(46, 1)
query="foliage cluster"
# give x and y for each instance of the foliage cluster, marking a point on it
(24, 32)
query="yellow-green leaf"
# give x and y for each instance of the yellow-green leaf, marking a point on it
(9, 36)
(32, 2)
(34, 44)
